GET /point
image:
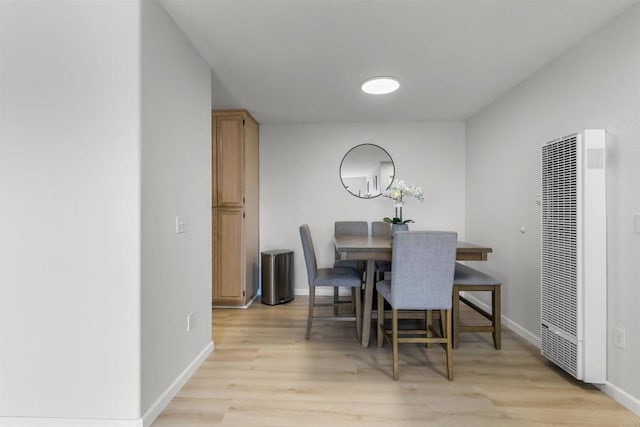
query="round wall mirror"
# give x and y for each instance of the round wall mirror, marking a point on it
(367, 170)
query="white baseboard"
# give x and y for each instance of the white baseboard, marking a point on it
(153, 412)
(66, 422)
(161, 402)
(238, 306)
(611, 390)
(620, 396)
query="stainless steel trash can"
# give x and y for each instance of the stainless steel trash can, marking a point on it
(277, 276)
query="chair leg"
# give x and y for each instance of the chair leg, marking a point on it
(428, 324)
(394, 341)
(312, 299)
(448, 349)
(353, 300)
(358, 303)
(336, 299)
(380, 321)
(456, 316)
(496, 314)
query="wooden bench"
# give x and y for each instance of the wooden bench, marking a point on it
(469, 279)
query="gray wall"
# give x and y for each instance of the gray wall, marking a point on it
(594, 85)
(104, 139)
(70, 209)
(176, 181)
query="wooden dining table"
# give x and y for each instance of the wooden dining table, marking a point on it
(372, 249)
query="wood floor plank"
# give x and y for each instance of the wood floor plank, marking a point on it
(264, 373)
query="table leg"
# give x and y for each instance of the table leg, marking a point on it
(368, 302)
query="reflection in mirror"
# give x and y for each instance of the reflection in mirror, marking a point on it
(366, 170)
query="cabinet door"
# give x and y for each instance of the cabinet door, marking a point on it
(229, 264)
(230, 160)
(252, 205)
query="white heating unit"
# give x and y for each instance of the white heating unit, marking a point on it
(574, 255)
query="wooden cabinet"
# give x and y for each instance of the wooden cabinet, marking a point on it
(235, 198)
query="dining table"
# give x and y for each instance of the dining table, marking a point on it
(373, 248)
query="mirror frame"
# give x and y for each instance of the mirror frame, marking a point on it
(382, 189)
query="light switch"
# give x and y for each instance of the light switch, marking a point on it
(636, 221)
(181, 224)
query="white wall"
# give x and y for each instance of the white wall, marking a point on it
(69, 210)
(105, 138)
(299, 181)
(176, 180)
(594, 85)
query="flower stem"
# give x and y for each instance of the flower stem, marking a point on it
(399, 212)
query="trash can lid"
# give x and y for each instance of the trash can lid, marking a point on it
(277, 252)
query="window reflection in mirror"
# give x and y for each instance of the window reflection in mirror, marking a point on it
(366, 171)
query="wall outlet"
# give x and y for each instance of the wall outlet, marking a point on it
(619, 338)
(181, 225)
(190, 320)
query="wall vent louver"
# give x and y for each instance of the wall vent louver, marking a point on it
(573, 271)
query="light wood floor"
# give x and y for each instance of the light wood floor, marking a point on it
(264, 373)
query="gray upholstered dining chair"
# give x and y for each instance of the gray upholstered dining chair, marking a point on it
(380, 228)
(328, 277)
(348, 228)
(421, 279)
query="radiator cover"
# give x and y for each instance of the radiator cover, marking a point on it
(574, 256)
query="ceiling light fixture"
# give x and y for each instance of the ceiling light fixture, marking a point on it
(380, 85)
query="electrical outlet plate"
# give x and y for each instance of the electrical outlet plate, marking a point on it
(190, 318)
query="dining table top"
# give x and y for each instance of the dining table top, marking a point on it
(375, 247)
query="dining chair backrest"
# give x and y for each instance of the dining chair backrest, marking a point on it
(380, 229)
(351, 228)
(309, 253)
(423, 269)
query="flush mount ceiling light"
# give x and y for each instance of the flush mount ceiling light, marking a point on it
(380, 85)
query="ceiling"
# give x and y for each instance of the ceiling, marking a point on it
(304, 60)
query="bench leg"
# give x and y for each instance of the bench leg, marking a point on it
(455, 331)
(496, 317)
